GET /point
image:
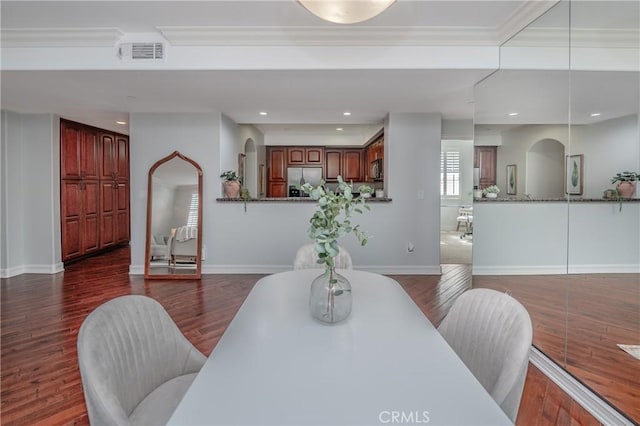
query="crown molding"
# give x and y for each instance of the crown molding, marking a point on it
(328, 36)
(577, 37)
(524, 15)
(60, 37)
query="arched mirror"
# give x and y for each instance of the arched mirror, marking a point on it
(174, 219)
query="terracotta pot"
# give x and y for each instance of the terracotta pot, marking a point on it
(231, 188)
(625, 189)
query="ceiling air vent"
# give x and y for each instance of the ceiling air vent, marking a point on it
(134, 51)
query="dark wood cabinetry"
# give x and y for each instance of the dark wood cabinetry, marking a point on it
(277, 171)
(94, 167)
(304, 156)
(485, 158)
(345, 162)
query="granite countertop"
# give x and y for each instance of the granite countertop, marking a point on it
(291, 200)
(552, 200)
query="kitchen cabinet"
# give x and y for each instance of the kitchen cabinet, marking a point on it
(277, 171)
(352, 165)
(305, 156)
(333, 164)
(485, 158)
(345, 162)
(94, 196)
(373, 152)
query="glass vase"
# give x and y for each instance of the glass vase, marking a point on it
(330, 297)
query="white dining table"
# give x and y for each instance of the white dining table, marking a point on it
(385, 364)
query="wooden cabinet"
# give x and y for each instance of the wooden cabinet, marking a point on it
(304, 156)
(79, 151)
(345, 162)
(352, 165)
(485, 158)
(94, 169)
(277, 171)
(80, 218)
(333, 164)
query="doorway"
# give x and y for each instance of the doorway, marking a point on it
(456, 202)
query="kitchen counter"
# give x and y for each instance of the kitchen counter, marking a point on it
(291, 200)
(553, 200)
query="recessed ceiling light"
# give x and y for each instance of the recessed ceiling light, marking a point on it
(513, 114)
(339, 128)
(263, 113)
(595, 114)
(346, 113)
(121, 122)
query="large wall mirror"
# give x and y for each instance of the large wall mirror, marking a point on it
(564, 110)
(174, 219)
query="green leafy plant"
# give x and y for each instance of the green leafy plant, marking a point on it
(332, 219)
(229, 175)
(625, 177)
(491, 189)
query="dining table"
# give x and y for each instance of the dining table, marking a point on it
(385, 364)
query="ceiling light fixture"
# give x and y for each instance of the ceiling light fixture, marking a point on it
(346, 11)
(263, 113)
(339, 129)
(595, 114)
(121, 122)
(513, 114)
(346, 113)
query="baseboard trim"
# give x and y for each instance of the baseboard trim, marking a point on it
(32, 269)
(604, 269)
(520, 270)
(271, 269)
(591, 402)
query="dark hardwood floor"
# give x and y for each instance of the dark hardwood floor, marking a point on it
(41, 315)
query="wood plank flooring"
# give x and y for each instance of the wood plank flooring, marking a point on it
(594, 313)
(41, 314)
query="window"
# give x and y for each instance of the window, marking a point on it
(192, 219)
(450, 174)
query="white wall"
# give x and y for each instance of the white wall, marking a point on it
(609, 147)
(323, 138)
(556, 238)
(31, 194)
(516, 142)
(266, 237)
(163, 201)
(230, 146)
(254, 159)
(545, 170)
(154, 136)
(449, 206)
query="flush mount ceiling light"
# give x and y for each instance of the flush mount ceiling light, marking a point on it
(121, 122)
(513, 114)
(595, 114)
(346, 11)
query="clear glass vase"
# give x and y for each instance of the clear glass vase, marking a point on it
(330, 297)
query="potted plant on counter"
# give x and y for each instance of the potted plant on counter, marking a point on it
(626, 183)
(231, 184)
(491, 191)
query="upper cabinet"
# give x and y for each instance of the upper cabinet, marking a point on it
(485, 160)
(79, 148)
(305, 156)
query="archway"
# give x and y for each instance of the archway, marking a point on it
(251, 167)
(545, 169)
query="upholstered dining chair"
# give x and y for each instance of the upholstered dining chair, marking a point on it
(491, 332)
(306, 258)
(135, 363)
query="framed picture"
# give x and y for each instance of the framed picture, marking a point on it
(574, 180)
(512, 179)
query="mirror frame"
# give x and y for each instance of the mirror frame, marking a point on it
(147, 253)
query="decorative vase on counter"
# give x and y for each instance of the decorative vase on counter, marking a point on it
(491, 195)
(330, 297)
(625, 189)
(231, 188)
